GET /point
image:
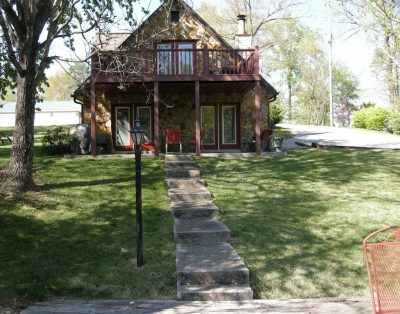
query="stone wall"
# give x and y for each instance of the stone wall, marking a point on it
(177, 111)
(159, 28)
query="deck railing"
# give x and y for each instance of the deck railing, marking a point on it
(177, 62)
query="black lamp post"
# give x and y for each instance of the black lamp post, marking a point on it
(138, 135)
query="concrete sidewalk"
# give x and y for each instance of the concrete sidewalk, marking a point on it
(309, 306)
(343, 137)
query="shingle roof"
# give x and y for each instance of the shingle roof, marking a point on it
(110, 41)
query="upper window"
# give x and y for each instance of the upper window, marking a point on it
(174, 16)
(175, 58)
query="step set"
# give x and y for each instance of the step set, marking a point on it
(207, 267)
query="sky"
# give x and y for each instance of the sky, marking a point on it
(356, 52)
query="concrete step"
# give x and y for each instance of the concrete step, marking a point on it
(197, 231)
(189, 195)
(215, 293)
(170, 157)
(183, 173)
(181, 164)
(188, 210)
(209, 265)
(185, 183)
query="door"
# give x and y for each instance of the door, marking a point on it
(164, 59)
(144, 114)
(208, 123)
(185, 58)
(229, 126)
(122, 136)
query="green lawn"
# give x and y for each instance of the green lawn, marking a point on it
(299, 221)
(75, 236)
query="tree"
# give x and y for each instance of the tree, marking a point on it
(28, 30)
(62, 85)
(284, 57)
(381, 20)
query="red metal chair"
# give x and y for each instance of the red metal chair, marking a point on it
(173, 137)
(382, 258)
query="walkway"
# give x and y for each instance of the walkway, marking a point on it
(307, 306)
(344, 137)
(207, 266)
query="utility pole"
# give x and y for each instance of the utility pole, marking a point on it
(330, 64)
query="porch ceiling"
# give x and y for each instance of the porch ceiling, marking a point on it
(178, 87)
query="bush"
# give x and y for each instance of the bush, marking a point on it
(57, 141)
(393, 122)
(371, 118)
(275, 113)
(359, 119)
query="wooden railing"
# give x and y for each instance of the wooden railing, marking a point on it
(177, 62)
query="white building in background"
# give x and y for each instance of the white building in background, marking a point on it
(50, 113)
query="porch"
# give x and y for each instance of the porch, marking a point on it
(225, 113)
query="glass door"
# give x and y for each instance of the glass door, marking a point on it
(123, 140)
(185, 58)
(208, 124)
(143, 113)
(229, 122)
(164, 59)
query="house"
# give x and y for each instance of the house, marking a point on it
(175, 71)
(47, 113)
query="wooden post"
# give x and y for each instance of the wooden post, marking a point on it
(257, 101)
(156, 117)
(197, 106)
(93, 130)
(205, 61)
(256, 60)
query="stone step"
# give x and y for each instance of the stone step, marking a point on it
(209, 265)
(189, 195)
(197, 231)
(185, 183)
(181, 164)
(188, 210)
(214, 293)
(170, 157)
(183, 173)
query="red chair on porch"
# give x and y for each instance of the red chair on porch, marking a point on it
(193, 141)
(173, 137)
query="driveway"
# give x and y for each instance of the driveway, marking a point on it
(346, 137)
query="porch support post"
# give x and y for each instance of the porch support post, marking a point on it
(257, 102)
(156, 118)
(93, 127)
(197, 109)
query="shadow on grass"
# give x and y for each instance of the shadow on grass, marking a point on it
(78, 239)
(299, 221)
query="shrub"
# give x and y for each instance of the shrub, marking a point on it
(393, 122)
(57, 141)
(275, 113)
(371, 118)
(359, 119)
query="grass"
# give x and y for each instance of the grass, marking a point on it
(75, 236)
(299, 221)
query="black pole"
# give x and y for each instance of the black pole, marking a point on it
(139, 230)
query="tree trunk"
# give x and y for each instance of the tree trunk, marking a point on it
(290, 117)
(20, 176)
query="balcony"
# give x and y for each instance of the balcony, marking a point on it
(176, 65)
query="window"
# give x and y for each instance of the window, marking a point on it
(164, 59)
(174, 16)
(175, 58)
